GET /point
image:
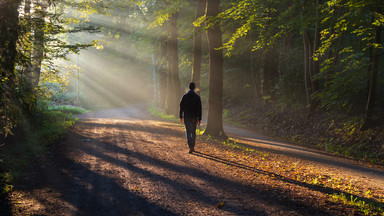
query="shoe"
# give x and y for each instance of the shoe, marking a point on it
(191, 150)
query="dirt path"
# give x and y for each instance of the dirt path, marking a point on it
(125, 162)
(363, 171)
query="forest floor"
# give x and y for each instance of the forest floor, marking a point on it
(127, 162)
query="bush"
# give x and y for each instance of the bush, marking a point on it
(31, 138)
(69, 109)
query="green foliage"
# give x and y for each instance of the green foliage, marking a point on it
(157, 112)
(69, 109)
(265, 21)
(32, 137)
(346, 45)
(365, 207)
(349, 139)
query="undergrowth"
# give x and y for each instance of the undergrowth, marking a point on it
(336, 133)
(31, 138)
(158, 112)
(68, 109)
(365, 207)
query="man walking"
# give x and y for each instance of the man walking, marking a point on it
(190, 108)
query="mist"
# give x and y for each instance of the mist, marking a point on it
(114, 73)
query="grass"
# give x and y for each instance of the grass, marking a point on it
(157, 112)
(32, 138)
(68, 109)
(364, 207)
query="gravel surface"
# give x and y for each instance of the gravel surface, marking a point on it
(126, 162)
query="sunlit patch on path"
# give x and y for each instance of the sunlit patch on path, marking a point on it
(125, 162)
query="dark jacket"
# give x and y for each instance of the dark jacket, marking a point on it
(190, 106)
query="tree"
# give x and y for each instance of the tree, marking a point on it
(9, 28)
(38, 40)
(216, 60)
(374, 62)
(270, 71)
(162, 71)
(311, 44)
(173, 83)
(352, 45)
(197, 37)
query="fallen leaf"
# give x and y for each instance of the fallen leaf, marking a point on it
(220, 205)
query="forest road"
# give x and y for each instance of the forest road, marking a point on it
(126, 162)
(342, 166)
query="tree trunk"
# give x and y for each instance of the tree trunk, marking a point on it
(315, 65)
(39, 40)
(170, 87)
(373, 78)
(215, 110)
(308, 71)
(28, 51)
(255, 71)
(311, 67)
(9, 18)
(270, 72)
(161, 68)
(196, 67)
(173, 94)
(9, 34)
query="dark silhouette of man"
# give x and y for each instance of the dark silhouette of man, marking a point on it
(190, 113)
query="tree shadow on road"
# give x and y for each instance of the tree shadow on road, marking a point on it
(309, 155)
(105, 148)
(90, 191)
(314, 187)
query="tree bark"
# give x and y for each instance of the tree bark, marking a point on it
(270, 71)
(9, 18)
(311, 67)
(196, 67)
(373, 78)
(173, 93)
(38, 40)
(28, 51)
(161, 68)
(307, 66)
(255, 71)
(9, 35)
(215, 109)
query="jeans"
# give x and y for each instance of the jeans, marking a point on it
(190, 126)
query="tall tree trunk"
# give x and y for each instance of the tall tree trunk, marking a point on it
(307, 66)
(28, 51)
(169, 87)
(9, 34)
(38, 40)
(256, 70)
(9, 18)
(373, 77)
(173, 94)
(215, 106)
(311, 67)
(161, 68)
(315, 64)
(196, 67)
(270, 71)
(316, 45)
